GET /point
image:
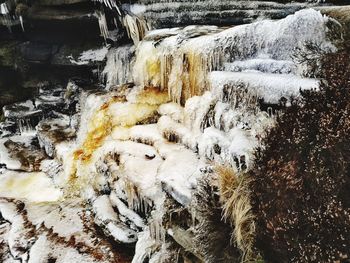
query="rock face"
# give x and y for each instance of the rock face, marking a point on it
(39, 41)
(111, 154)
(223, 13)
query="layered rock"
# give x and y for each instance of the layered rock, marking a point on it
(43, 41)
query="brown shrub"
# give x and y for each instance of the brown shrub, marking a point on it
(301, 181)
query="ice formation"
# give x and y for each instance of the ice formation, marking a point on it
(136, 27)
(177, 103)
(110, 4)
(4, 9)
(118, 69)
(97, 55)
(102, 24)
(21, 185)
(178, 60)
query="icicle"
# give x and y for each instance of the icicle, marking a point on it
(135, 201)
(102, 22)
(4, 9)
(110, 4)
(25, 126)
(157, 231)
(135, 27)
(174, 70)
(118, 69)
(21, 21)
(131, 194)
(146, 248)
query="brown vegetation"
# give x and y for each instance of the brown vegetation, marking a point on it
(212, 234)
(301, 181)
(235, 199)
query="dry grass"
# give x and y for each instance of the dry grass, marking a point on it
(235, 197)
(212, 234)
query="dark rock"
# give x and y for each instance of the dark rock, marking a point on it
(58, 2)
(30, 156)
(20, 110)
(50, 132)
(7, 128)
(38, 52)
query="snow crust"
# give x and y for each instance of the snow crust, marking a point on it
(178, 59)
(270, 87)
(91, 55)
(263, 65)
(43, 250)
(34, 187)
(5, 154)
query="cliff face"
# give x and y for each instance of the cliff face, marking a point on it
(120, 115)
(39, 41)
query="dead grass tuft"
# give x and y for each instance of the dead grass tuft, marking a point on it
(235, 198)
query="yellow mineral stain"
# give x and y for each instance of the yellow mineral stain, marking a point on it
(153, 68)
(35, 187)
(113, 120)
(129, 114)
(153, 96)
(197, 71)
(13, 183)
(99, 127)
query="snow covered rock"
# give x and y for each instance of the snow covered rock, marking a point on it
(21, 153)
(109, 221)
(51, 132)
(179, 59)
